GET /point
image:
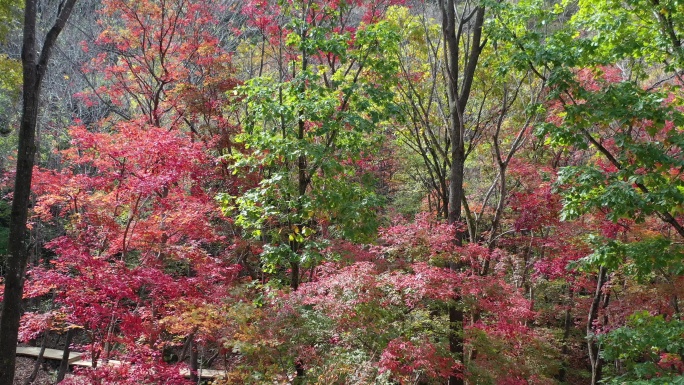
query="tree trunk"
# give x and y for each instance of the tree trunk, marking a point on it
(39, 361)
(592, 343)
(302, 175)
(194, 362)
(567, 326)
(294, 275)
(458, 95)
(64, 364)
(34, 68)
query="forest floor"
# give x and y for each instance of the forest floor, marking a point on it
(24, 369)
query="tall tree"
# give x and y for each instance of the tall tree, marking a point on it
(423, 101)
(34, 64)
(307, 129)
(614, 76)
(462, 25)
(134, 190)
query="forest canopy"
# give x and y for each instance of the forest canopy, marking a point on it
(342, 191)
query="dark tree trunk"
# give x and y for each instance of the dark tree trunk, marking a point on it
(64, 364)
(39, 361)
(459, 87)
(444, 199)
(302, 175)
(34, 66)
(294, 275)
(194, 362)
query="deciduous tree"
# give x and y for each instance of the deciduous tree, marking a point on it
(34, 64)
(306, 129)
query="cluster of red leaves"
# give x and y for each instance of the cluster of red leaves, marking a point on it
(534, 204)
(404, 358)
(138, 369)
(140, 223)
(399, 277)
(672, 362)
(273, 20)
(338, 290)
(33, 324)
(342, 14)
(161, 62)
(418, 240)
(352, 295)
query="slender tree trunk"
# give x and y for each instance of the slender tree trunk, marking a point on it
(17, 248)
(302, 176)
(194, 362)
(456, 346)
(456, 173)
(675, 306)
(302, 184)
(294, 274)
(444, 197)
(567, 326)
(592, 344)
(34, 65)
(64, 364)
(459, 86)
(39, 361)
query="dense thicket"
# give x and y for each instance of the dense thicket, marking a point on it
(352, 191)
